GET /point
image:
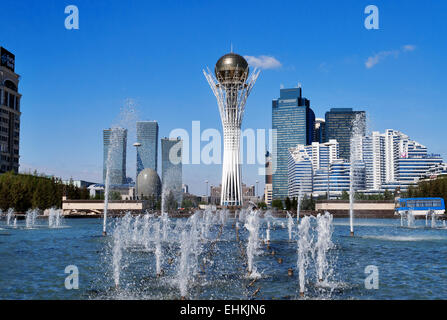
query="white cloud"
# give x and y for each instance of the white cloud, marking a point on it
(378, 57)
(408, 47)
(263, 62)
(375, 59)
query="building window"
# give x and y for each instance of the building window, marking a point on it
(10, 85)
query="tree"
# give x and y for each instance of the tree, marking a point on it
(170, 202)
(114, 195)
(277, 203)
(288, 203)
(262, 205)
(388, 195)
(187, 203)
(344, 195)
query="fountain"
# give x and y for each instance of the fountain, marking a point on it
(9, 215)
(192, 250)
(113, 154)
(127, 118)
(356, 159)
(323, 244)
(298, 206)
(31, 216)
(252, 225)
(117, 255)
(305, 251)
(183, 270)
(267, 232)
(289, 225)
(433, 220)
(410, 219)
(55, 218)
(158, 253)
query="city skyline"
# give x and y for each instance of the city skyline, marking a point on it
(398, 84)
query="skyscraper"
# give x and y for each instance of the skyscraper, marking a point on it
(171, 167)
(339, 125)
(115, 144)
(320, 131)
(293, 122)
(9, 113)
(147, 153)
(305, 162)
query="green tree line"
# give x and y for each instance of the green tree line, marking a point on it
(430, 188)
(26, 191)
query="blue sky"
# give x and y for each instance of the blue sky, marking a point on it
(75, 82)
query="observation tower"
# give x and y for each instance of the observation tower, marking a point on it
(231, 84)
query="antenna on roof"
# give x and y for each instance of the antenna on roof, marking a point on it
(231, 47)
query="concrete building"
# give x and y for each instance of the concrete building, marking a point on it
(171, 166)
(126, 191)
(78, 183)
(148, 184)
(248, 194)
(114, 157)
(306, 162)
(393, 160)
(9, 113)
(293, 123)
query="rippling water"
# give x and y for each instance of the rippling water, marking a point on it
(412, 264)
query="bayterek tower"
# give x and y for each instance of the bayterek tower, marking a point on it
(231, 86)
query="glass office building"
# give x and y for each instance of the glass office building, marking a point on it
(115, 144)
(147, 153)
(293, 122)
(339, 125)
(171, 167)
(320, 131)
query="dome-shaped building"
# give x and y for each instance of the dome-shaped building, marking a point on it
(148, 183)
(231, 69)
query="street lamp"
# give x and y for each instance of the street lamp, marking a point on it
(136, 145)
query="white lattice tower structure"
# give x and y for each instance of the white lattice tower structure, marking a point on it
(231, 86)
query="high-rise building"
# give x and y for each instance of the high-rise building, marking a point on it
(293, 122)
(393, 160)
(171, 167)
(307, 161)
(147, 152)
(320, 130)
(341, 124)
(9, 113)
(373, 154)
(115, 144)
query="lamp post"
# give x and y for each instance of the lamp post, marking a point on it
(136, 145)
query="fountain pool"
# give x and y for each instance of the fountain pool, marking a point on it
(411, 261)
